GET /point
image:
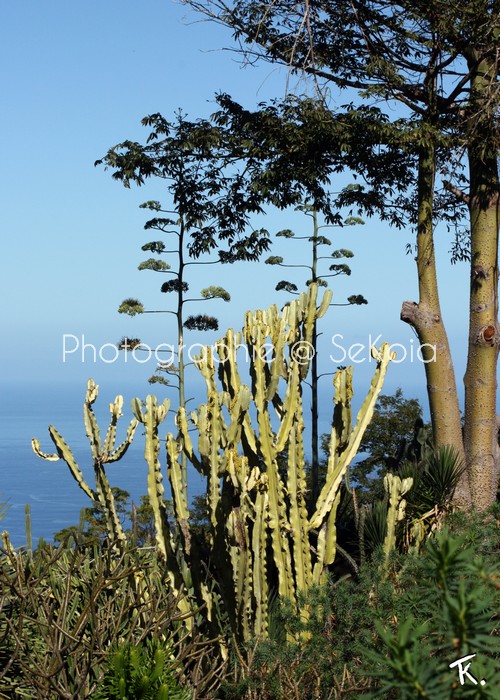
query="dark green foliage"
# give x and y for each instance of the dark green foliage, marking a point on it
(341, 269)
(287, 287)
(92, 528)
(157, 247)
(190, 158)
(357, 299)
(391, 429)
(214, 292)
(446, 608)
(174, 286)
(373, 526)
(140, 673)
(294, 148)
(128, 343)
(342, 252)
(305, 668)
(434, 480)
(274, 260)
(201, 322)
(158, 379)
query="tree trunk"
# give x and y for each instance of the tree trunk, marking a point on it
(425, 317)
(481, 432)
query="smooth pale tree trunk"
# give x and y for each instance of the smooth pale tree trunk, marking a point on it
(481, 429)
(425, 317)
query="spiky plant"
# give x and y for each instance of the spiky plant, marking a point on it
(140, 673)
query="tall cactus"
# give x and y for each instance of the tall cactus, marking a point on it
(254, 510)
(102, 453)
(260, 531)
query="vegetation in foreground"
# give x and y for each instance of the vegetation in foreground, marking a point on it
(276, 595)
(85, 621)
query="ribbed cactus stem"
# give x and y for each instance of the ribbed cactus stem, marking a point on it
(107, 501)
(115, 409)
(152, 418)
(296, 486)
(396, 489)
(91, 426)
(338, 471)
(259, 549)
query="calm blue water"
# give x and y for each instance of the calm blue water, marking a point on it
(54, 496)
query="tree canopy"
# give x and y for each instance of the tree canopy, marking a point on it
(439, 62)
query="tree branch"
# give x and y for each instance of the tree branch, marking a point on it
(459, 194)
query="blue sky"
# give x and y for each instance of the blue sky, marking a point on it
(77, 77)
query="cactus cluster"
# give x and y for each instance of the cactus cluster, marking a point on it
(102, 453)
(263, 537)
(259, 522)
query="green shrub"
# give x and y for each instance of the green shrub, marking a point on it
(444, 608)
(387, 635)
(63, 610)
(141, 672)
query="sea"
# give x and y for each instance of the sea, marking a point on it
(54, 497)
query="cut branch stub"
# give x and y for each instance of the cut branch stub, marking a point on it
(488, 336)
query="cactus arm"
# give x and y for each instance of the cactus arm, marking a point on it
(115, 409)
(213, 494)
(182, 424)
(226, 350)
(342, 418)
(327, 543)
(239, 409)
(259, 547)
(91, 426)
(50, 457)
(277, 369)
(65, 453)
(296, 486)
(239, 553)
(152, 418)
(329, 491)
(239, 537)
(231, 382)
(203, 438)
(325, 303)
(205, 363)
(278, 522)
(290, 406)
(123, 447)
(308, 304)
(179, 493)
